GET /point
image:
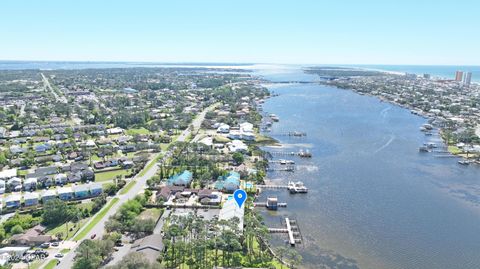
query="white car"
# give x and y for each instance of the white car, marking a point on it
(59, 255)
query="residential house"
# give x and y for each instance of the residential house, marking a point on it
(2, 186)
(65, 193)
(95, 189)
(61, 179)
(229, 182)
(13, 201)
(150, 246)
(31, 198)
(48, 195)
(81, 191)
(30, 184)
(32, 237)
(182, 179)
(15, 183)
(9, 173)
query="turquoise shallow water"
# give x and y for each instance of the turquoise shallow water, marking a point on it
(374, 201)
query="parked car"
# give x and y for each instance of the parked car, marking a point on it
(59, 255)
(45, 245)
(55, 244)
(93, 236)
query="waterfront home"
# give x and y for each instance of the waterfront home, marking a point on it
(65, 193)
(31, 198)
(13, 201)
(229, 182)
(246, 127)
(95, 189)
(182, 179)
(80, 191)
(48, 195)
(230, 210)
(30, 184)
(237, 146)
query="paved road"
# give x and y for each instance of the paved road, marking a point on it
(141, 182)
(47, 85)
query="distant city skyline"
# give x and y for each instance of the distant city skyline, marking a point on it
(291, 32)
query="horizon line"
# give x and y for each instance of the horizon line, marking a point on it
(227, 63)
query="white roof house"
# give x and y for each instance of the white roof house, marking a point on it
(14, 181)
(230, 210)
(116, 130)
(246, 127)
(49, 193)
(13, 198)
(237, 146)
(9, 173)
(31, 195)
(223, 128)
(64, 190)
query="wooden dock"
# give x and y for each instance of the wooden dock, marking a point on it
(288, 168)
(294, 235)
(272, 186)
(264, 204)
(294, 134)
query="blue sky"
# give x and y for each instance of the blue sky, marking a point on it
(296, 31)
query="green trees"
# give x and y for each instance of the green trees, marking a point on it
(91, 253)
(57, 212)
(25, 221)
(17, 229)
(126, 219)
(238, 157)
(135, 260)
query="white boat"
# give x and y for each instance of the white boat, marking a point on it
(297, 187)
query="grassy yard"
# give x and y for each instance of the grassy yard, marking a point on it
(110, 175)
(139, 131)
(150, 165)
(95, 220)
(127, 187)
(151, 213)
(65, 229)
(51, 264)
(65, 250)
(454, 150)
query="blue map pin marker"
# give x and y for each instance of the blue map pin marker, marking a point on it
(240, 196)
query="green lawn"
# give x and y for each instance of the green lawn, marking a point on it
(127, 187)
(151, 213)
(64, 229)
(65, 250)
(139, 131)
(95, 220)
(454, 150)
(149, 165)
(51, 264)
(104, 176)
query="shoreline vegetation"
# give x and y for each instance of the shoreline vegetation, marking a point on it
(449, 106)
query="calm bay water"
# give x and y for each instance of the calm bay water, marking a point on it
(374, 200)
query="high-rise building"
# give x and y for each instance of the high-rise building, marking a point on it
(468, 79)
(459, 76)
